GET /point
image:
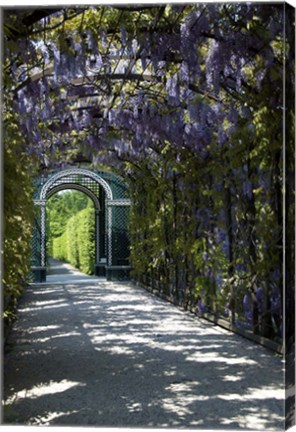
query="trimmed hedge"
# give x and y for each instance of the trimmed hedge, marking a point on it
(77, 244)
(60, 247)
(86, 241)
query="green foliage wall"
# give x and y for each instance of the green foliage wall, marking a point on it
(60, 247)
(18, 215)
(86, 241)
(207, 239)
(77, 244)
(60, 208)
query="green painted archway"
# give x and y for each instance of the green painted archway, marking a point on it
(109, 194)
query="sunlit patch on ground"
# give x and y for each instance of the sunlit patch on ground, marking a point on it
(112, 355)
(42, 390)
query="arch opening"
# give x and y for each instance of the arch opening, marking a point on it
(70, 229)
(75, 187)
(75, 176)
(109, 196)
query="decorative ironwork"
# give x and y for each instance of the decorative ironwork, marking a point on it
(43, 236)
(76, 176)
(110, 196)
(36, 243)
(109, 235)
(40, 202)
(97, 227)
(120, 235)
(119, 202)
(80, 188)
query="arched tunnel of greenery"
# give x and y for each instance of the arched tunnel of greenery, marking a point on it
(186, 102)
(71, 229)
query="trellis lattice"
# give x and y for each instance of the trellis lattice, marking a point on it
(120, 238)
(79, 176)
(110, 196)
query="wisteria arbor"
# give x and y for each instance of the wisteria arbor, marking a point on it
(187, 103)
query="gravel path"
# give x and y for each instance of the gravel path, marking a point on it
(111, 354)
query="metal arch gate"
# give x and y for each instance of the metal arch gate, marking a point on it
(110, 197)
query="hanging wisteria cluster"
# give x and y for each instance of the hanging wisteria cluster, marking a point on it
(186, 100)
(180, 76)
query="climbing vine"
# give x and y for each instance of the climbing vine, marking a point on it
(18, 216)
(186, 102)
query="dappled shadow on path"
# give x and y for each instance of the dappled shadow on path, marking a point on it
(113, 355)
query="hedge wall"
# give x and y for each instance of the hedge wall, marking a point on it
(77, 244)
